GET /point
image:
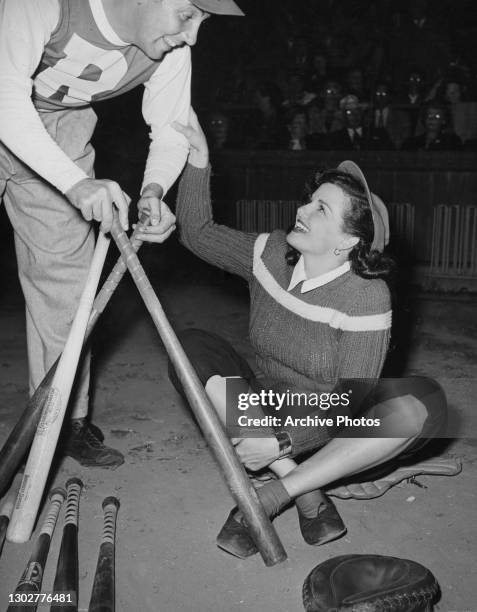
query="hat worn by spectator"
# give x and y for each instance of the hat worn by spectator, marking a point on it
(369, 583)
(377, 206)
(219, 7)
(350, 102)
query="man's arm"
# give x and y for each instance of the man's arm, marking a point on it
(25, 28)
(166, 99)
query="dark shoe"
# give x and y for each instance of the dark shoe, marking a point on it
(96, 431)
(87, 448)
(235, 539)
(325, 527)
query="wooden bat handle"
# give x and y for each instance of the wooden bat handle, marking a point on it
(234, 473)
(103, 591)
(66, 578)
(115, 276)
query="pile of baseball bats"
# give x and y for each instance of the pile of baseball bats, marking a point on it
(41, 422)
(30, 591)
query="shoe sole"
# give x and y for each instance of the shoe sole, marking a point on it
(234, 554)
(330, 538)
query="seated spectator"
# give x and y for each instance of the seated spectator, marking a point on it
(315, 76)
(328, 118)
(453, 92)
(299, 138)
(412, 98)
(267, 132)
(354, 83)
(297, 128)
(218, 132)
(354, 136)
(316, 135)
(386, 117)
(463, 114)
(296, 92)
(434, 137)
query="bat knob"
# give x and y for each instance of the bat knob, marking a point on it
(111, 501)
(74, 481)
(58, 491)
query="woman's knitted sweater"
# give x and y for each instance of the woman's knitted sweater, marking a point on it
(302, 341)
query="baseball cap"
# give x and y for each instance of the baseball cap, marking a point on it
(377, 206)
(219, 7)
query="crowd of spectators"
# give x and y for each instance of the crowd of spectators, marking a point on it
(342, 75)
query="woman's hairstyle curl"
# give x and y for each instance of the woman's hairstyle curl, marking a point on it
(357, 221)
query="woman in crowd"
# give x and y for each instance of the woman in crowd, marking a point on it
(320, 318)
(434, 138)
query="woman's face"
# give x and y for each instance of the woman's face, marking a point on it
(318, 228)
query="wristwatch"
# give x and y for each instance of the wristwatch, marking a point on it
(284, 444)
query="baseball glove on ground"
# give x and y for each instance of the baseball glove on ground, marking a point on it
(369, 583)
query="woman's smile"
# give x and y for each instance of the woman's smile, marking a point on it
(300, 226)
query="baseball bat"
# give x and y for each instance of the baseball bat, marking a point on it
(66, 578)
(21, 436)
(6, 508)
(32, 577)
(49, 427)
(103, 592)
(242, 491)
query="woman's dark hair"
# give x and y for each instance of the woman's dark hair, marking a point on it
(357, 221)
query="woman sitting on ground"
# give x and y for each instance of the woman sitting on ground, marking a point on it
(320, 318)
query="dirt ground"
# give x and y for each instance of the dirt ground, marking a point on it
(173, 499)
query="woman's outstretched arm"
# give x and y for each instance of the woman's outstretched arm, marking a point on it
(219, 245)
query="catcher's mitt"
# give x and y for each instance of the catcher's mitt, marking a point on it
(369, 583)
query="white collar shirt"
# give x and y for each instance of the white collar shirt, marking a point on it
(299, 276)
(353, 131)
(381, 113)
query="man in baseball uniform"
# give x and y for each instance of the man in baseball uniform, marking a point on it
(56, 57)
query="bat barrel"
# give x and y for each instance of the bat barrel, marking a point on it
(32, 577)
(103, 592)
(20, 437)
(49, 427)
(234, 473)
(6, 509)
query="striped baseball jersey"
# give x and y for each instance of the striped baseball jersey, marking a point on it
(81, 65)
